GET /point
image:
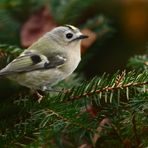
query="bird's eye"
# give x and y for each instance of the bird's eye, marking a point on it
(69, 35)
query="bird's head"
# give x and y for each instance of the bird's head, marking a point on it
(67, 35)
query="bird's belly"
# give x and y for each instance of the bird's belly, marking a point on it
(38, 79)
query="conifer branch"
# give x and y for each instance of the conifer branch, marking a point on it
(9, 52)
(139, 62)
(50, 111)
(137, 138)
(2, 54)
(10, 49)
(108, 88)
(117, 133)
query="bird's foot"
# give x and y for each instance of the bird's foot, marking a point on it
(38, 96)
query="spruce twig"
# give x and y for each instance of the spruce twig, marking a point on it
(137, 138)
(106, 89)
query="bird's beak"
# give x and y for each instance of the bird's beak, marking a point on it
(82, 37)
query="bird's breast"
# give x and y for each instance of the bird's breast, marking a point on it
(71, 63)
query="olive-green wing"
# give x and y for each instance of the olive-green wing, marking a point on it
(33, 61)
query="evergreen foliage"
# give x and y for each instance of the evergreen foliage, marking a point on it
(61, 118)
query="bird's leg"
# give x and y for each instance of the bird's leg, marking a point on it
(40, 97)
(37, 94)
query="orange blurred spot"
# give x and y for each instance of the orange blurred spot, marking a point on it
(38, 24)
(135, 20)
(86, 43)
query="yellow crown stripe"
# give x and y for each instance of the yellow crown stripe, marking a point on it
(71, 27)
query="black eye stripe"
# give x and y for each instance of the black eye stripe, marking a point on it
(69, 35)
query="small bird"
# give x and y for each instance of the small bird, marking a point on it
(47, 61)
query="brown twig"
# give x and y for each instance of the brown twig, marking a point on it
(119, 79)
(107, 88)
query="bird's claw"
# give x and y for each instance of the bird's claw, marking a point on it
(40, 97)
